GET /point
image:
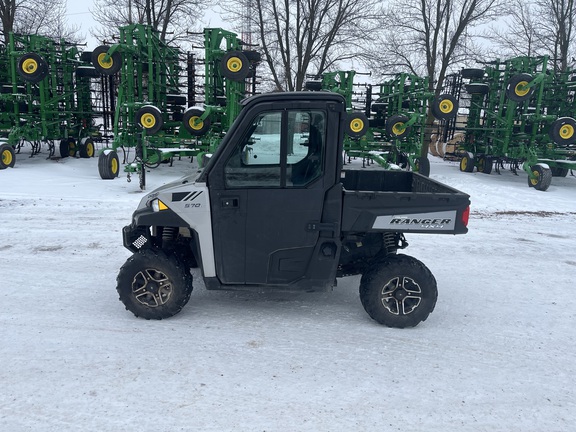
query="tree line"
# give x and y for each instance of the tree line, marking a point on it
(303, 37)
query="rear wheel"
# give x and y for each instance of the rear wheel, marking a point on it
(153, 285)
(477, 88)
(470, 73)
(399, 292)
(7, 156)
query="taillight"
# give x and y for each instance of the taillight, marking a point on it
(466, 216)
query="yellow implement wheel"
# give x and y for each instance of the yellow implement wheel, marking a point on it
(567, 131)
(356, 124)
(396, 126)
(235, 66)
(72, 147)
(29, 66)
(467, 163)
(7, 156)
(32, 68)
(87, 148)
(563, 131)
(539, 177)
(108, 164)
(522, 89)
(114, 166)
(445, 107)
(150, 119)
(193, 124)
(104, 62)
(518, 87)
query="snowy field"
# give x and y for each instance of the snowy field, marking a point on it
(497, 354)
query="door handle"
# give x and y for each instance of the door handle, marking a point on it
(230, 202)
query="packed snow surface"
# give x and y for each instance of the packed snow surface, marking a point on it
(497, 354)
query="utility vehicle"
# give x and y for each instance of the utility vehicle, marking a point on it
(274, 209)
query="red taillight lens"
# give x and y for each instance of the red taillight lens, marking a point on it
(466, 216)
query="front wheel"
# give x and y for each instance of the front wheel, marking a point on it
(153, 285)
(399, 292)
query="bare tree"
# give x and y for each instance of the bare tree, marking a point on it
(556, 31)
(43, 17)
(299, 37)
(524, 32)
(171, 18)
(428, 37)
(518, 33)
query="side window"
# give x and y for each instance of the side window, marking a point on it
(266, 158)
(306, 141)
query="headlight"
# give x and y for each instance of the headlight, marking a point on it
(158, 205)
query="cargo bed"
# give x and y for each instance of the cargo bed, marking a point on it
(401, 201)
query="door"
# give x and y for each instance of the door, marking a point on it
(267, 195)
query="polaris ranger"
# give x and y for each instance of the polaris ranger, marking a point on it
(274, 209)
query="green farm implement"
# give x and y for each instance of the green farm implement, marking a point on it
(45, 98)
(391, 126)
(153, 115)
(521, 114)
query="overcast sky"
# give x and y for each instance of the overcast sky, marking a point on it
(78, 12)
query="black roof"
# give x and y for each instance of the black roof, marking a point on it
(297, 95)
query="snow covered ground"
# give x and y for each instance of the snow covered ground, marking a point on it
(497, 354)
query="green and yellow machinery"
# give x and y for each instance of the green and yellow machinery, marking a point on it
(521, 114)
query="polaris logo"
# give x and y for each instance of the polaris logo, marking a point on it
(438, 221)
